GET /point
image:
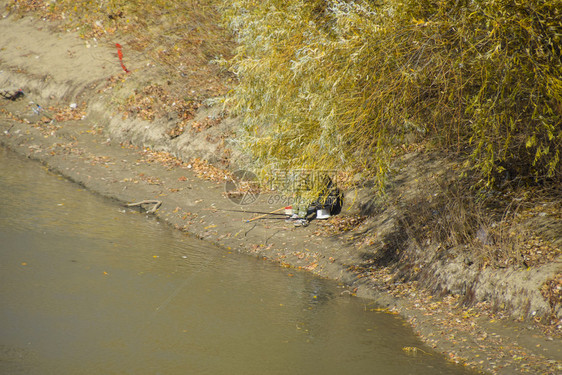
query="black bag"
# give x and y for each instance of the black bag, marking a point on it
(330, 198)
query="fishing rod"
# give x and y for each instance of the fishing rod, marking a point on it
(266, 214)
(256, 212)
(266, 218)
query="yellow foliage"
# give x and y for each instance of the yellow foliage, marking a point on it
(341, 85)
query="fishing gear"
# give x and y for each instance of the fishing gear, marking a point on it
(268, 218)
(265, 214)
(254, 212)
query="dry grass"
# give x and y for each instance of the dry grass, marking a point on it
(491, 231)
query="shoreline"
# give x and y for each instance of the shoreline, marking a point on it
(93, 156)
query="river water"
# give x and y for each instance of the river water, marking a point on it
(87, 287)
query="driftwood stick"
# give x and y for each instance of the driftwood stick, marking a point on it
(156, 204)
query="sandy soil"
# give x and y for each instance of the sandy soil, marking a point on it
(90, 145)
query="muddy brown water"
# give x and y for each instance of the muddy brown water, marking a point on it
(88, 287)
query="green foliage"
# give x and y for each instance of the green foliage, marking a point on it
(333, 84)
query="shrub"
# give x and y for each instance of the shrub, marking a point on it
(333, 84)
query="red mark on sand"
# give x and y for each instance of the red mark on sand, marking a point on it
(120, 55)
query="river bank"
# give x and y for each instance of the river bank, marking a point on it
(66, 121)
